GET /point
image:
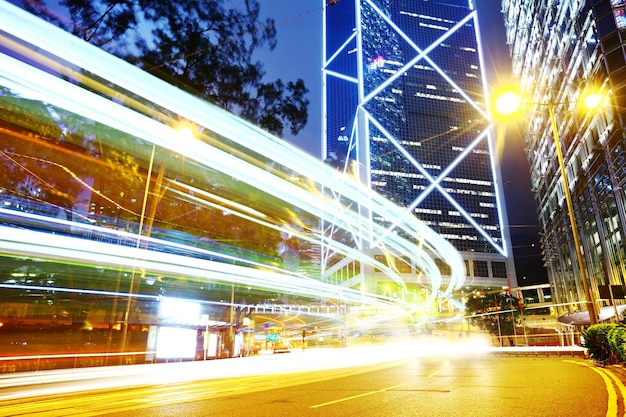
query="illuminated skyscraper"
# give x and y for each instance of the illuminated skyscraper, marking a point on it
(405, 108)
(560, 51)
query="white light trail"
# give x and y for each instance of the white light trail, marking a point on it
(136, 121)
(22, 242)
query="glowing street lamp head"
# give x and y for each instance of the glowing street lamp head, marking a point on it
(592, 101)
(508, 103)
(185, 132)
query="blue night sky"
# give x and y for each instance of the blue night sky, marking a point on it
(298, 55)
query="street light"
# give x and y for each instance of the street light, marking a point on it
(510, 102)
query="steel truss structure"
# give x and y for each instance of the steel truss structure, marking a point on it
(406, 111)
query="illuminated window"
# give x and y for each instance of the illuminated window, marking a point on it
(620, 18)
(403, 265)
(434, 26)
(427, 211)
(382, 259)
(443, 267)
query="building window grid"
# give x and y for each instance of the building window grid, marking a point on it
(383, 179)
(403, 265)
(498, 269)
(585, 47)
(481, 269)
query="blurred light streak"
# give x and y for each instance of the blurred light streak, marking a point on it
(139, 120)
(21, 242)
(12, 215)
(313, 360)
(246, 173)
(280, 323)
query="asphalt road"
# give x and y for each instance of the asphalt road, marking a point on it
(470, 385)
(491, 386)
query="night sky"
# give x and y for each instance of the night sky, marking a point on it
(299, 55)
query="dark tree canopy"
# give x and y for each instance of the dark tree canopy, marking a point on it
(204, 46)
(496, 312)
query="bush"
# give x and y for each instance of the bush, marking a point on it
(597, 343)
(616, 339)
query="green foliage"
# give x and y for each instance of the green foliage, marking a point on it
(204, 46)
(616, 339)
(492, 312)
(596, 341)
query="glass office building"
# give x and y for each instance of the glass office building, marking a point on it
(561, 51)
(405, 109)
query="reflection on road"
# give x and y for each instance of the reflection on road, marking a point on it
(188, 385)
(28, 385)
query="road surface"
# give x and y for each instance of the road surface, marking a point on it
(354, 383)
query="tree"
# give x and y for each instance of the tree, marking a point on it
(203, 46)
(492, 312)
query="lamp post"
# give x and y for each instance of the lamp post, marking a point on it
(509, 103)
(591, 308)
(232, 328)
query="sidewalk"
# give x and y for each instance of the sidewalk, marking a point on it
(573, 351)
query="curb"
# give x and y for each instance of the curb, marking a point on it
(545, 351)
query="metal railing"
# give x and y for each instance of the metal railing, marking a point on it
(35, 363)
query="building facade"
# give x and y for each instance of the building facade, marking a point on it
(405, 109)
(560, 52)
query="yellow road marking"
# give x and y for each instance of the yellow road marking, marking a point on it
(607, 377)
(356, 396)
(619, 384)
(445, 362)
(94, 403)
